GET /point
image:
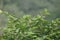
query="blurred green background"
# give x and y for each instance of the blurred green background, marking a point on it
(31, 7)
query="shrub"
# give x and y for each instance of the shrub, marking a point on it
(31, 28)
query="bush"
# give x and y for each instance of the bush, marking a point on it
(31, 28)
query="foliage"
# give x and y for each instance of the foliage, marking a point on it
(31, 28)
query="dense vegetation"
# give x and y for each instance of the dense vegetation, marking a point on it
(39, 24)
(30, 28)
